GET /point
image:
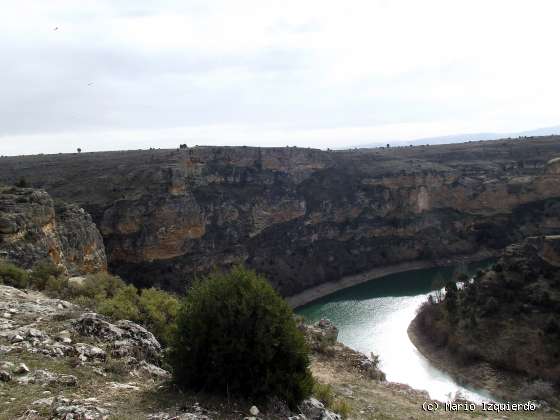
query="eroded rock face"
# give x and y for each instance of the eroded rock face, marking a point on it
(33, 229)
(302, 216)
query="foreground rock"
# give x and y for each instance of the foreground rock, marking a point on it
(50, 344)
(70, 364)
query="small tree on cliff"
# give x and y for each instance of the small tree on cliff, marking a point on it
(22, 183)
(236, 336)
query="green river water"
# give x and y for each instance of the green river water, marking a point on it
(374, 317)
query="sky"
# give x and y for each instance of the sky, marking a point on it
(113, 75)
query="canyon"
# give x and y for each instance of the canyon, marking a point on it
(302, 217)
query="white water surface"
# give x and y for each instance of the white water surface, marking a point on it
(374, 317)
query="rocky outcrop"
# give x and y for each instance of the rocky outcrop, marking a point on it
(321, 338)
(57, 337)
(33, 229)
(303, 217)
(127, 338)
(58, 361)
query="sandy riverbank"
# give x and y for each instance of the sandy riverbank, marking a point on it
(325, 289)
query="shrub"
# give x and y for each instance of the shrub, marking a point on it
(100, 286)
(11, 275)
(22, 183)
(41, 274)
(324, 393)
(56, 285)
(158, 311)
(123, 305)
(236, 335)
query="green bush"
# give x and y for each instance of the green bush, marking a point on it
(103, 293)
(100, 286)
(11, 275)
(56, 285)
(41, 274)
(158, 311)
(22, 183)
(123, 305)
(235, 335)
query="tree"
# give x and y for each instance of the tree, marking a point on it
(79, 150)
(236, 336)
(451, 292)
(13, 276)
(22, 183)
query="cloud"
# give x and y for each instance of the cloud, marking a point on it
(317, 73)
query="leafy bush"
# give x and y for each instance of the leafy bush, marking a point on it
(123, 305)
(158, 311)
(22, 183)
(11, 275)
(236, 335)
(101, 286)
(42, 272)
(103, 293)
(56, 285)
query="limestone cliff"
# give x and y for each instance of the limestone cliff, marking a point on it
(302, 216)
(34, 229)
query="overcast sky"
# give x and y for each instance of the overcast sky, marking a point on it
(123, 74)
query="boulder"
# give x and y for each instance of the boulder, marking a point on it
(125, 338)
(313, 409)
(321, 335)
(5, 376)
(21, 369)
(89, 351)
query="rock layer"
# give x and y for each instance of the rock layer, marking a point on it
(33, 229)
(301, 216)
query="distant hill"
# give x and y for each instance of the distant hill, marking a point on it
(460, 138)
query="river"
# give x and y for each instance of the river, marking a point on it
(374, 317)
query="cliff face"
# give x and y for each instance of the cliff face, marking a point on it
(34, 229)
(302, 216)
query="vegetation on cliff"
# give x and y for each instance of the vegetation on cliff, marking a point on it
(506, 316)
(236, 335)
(102, 292)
